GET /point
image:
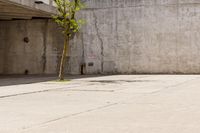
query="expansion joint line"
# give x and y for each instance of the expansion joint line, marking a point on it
(45, 36)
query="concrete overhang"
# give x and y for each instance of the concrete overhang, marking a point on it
(26, 9)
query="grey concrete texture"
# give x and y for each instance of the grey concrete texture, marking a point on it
(39, 55)
(20, 8)
(122, 36)
(141, 36)
(101, 104)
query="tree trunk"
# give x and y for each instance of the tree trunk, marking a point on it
(63, 59)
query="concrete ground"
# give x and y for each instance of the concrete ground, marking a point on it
(101, 104)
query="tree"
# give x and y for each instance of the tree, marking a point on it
(66, 19)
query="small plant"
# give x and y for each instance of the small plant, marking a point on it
(66, 19)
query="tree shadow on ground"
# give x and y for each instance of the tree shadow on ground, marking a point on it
(9, 80)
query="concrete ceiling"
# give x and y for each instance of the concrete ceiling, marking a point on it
(11, 10)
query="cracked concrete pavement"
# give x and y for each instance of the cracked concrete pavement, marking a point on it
(101, 104)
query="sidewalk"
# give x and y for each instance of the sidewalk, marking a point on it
(101, 104)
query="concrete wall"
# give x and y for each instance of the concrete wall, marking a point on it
(47, 6)
(40, 55)
(2, 47)
(120, 36)
(141, 36)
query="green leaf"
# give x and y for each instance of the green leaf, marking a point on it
(65, 18)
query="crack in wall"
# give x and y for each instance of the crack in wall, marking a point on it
(101, 41)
